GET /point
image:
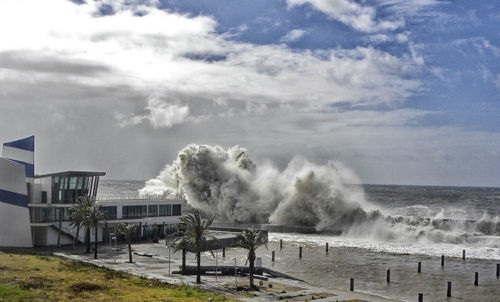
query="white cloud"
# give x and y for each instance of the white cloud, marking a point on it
(415, 56)
(410, 7)
(174, 53)
(293, 35)
(384, 38)
(161, 115)
(481, 44)
(497, 81)
(358, 16)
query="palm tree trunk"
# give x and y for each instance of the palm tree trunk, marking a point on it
(87, 239)
(198, 266)
(184, 252)
(251, 268)
(129, 251)
(59, 230)
(77, 234)
(95, 248)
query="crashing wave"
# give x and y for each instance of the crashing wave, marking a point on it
(227, 183)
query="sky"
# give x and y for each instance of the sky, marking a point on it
(400, 91)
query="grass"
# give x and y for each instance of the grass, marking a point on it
(26, 277)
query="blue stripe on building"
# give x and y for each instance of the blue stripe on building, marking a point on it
(14, 198)
(27, 143)
(28, 168)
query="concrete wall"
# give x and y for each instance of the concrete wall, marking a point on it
(15, 227)
(52, 237)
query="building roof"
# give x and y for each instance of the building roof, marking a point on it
(73, 173)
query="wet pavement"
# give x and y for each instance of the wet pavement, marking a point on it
(157, 261)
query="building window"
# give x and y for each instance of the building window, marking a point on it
(176, 210)
(52, 214)
(44, 196)
(131, 212)
(73, 182)
(165, 210)
(109, 212)
(153, 211)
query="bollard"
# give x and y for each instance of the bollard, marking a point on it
(442, 260)
(223, 252)
(498, 270)
(463, 254)
(300, 252)
(388, 276)
(448, 291)
(281, 244)
(351, 286)
(272, 257)
(420, 297)
(326, 248)
(476, 279)
(419, 269)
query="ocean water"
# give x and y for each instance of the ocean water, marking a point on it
(422, 220)
(417, 223)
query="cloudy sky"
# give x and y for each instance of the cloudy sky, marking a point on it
(401, 91)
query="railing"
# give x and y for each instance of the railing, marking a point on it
(118, 197)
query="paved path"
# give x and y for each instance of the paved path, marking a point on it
(154, 264)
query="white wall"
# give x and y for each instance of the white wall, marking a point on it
(15, 230)
(52, 237)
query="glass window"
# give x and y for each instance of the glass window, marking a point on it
(79, 183)
(134, 212)
(73, 181)
(152, 210)
(109, 212)
(176, 210)
(165, 210)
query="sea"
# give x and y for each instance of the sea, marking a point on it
(421, 224)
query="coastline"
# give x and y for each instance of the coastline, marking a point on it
(326, 275)
(154, 265)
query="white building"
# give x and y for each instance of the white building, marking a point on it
(34, 209)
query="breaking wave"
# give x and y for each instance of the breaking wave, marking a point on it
(228, 184)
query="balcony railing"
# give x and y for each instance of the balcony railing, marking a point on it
(119, 197)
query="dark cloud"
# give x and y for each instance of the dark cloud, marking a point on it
(28, 61)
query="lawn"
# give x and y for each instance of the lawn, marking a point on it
(26, 277)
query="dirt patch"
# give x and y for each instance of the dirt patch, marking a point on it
(85, 287)
(35, 282)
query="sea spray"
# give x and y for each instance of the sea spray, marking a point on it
(227, 183)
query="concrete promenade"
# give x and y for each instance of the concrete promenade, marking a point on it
(153, 261)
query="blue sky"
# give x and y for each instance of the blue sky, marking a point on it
(400, 91)
(458, 41)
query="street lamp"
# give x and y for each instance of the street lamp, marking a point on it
(215, 266)
(111, 235)
(115, 239)
(235, 275)
(169, 246)
(215, 256)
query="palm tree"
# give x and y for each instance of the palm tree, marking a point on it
(180, 232)
(95, 216)
(77, 215)
(194, 237)
(127, 230)
(251, 240)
